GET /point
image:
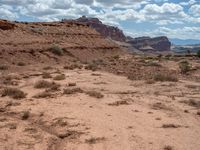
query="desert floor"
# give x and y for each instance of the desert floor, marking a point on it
(99, 111)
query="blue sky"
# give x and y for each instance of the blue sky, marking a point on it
(173, 18)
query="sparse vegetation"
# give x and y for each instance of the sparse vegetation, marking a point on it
(72, 84)
(168, 147)
(60, 77)
(192, 102)
(55, 49)
(165, 77)
(46, 75)
(95, 94)
(72, 90)
(118, 103)
(95, 140)
(14, 93)
(73, 66)
(3, 67)
(25, 115)
(47, 68)
(44, 94)
(92, 67)
(21, 64)
(184, 67)
(170, 126)
(43, 84)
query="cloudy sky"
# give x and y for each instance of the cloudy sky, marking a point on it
(173, 18)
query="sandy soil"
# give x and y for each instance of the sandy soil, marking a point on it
(131, 115)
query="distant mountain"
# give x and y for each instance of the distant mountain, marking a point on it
(184, 42)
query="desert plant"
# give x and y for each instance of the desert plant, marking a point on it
(92, 67)
(43, 95)
(21, 64)
(184, 67)
(73, 91)
(3, 67)
(46, 75)
(14, 93)
(55, 49)
(198, 53)
(42, 84)
(60, 77)
(95, 94)
(25, 115)
(165, 77)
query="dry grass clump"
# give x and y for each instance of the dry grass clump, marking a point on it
(168, 147)
(21, 64)
(46, 75)
(165, 77)
(192, 102)
(47, 68)
(60, 77)
(95, 140)
(95, 94)
(170, 126)
(185, 67)
(14, 93)
(3, 67)
(118, 103)
(44, 94)
(55, 49)
(43, 84)
(72, 91)
(25, 115)
(54, 87)
(73, 66)
(72, 84)
(92, 67)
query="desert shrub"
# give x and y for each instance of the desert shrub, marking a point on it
(21, 64)
(165, 77)
(73, 91)
(42, 84)
(43, 95)
(198, 53)
(46, 75)
(25, 115)
(95, 94)
(14, 93)
(192, 102)
(73, 66)
(53, 87)
(47, 68)
(55, 49)
(60, 77)
(168, 147)
(92, 67)
(184, 67)
(3, 67)
(72, 84)
(116, 57)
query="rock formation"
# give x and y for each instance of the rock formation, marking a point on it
(151, 44)
(105, 30)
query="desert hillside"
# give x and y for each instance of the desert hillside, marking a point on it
(65, 87)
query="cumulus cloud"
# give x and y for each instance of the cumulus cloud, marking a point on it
(158, 12)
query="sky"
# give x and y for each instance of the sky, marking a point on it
(172, 18)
